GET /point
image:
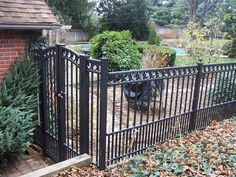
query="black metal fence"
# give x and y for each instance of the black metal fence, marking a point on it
(113, 115)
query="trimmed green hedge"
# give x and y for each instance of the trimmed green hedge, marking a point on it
(154, 38)
(121, 50)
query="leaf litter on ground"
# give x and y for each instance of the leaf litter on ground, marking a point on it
(211, 152)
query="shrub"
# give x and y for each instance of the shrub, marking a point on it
(158, 40)
(232, 50)
(121, 50)
(155, 57)
(226, 47)
(16, 129)
(20, 85)
(223, 89)
(153, 38)
(142, 47)
(18, 108)
(170, 52)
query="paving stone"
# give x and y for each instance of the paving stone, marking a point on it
(28, 162)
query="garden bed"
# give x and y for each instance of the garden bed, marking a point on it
(202, 153)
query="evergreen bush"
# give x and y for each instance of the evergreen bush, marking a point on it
(154, 38)
(232, 50)
(16, 129)
(121, 50)
(18, 108)
(20, 84)
(158, 40)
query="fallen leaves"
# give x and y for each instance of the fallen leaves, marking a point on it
(211, 152)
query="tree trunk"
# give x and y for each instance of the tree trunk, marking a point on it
(192, 10)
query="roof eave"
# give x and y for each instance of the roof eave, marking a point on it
(30, 26)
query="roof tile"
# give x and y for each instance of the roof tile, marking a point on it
(22, 12)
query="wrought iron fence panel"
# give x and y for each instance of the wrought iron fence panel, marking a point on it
(114, 115)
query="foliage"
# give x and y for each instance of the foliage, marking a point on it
(37, 44)
(18, 107)
(153, 38)
(142, 47)
(171, 54)
(125, 15)
(121, 50)
(232, 50)
(16, 130)
(170, 12)
(156, 56)
(227, 16)
(20, 85)
(74, 12)
(201, 153)
(224, 90)
(226, 47)
(213, 28)
(153, 58)
(185, 60)
(195, 46)
(158, 40)
(217, 15)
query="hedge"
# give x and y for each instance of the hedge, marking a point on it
(121, 50)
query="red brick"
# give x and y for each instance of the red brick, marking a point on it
(9, 62)
(4, 65)
(11, 54)
(5, 50)
(10, 45)
(13, 45)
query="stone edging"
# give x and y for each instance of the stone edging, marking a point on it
(80, 161)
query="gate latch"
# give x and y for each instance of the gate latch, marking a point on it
(61, 94)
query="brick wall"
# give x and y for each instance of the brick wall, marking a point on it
(13, 45)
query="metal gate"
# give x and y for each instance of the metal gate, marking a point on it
(86, 109)
(66, 104)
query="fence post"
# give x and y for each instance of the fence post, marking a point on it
(84, 105)
(103, 111)
(193, 118)
(60, 80)
(42, 97)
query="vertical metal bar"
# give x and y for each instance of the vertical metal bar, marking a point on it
(84, 105)
(113, 118)
(60, 69)
(103, 112)
(120, 126)
(193, 117)
(67, 106)
(72, 105)
(43, 98)
(91, 113)
(76, 109)
(97, 114)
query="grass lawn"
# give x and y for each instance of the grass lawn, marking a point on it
(176, 42)
(211, 152)
(184, 60)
